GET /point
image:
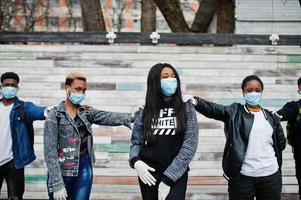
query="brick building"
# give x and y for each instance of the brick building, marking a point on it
(65, 15)
(251, 16)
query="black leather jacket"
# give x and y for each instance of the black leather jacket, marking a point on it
(291, 113)
(238, 125)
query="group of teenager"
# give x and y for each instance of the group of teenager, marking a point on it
(164, 139)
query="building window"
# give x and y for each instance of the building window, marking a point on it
(53, 3)
(52, 22)
(79, 22)
(29, 1)
(119, 4)
(137, 24)
(161, 24)
(137, 5)
(71, 22)
(75, 3)
(76, 23)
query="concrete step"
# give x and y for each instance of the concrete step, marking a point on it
(117, 78)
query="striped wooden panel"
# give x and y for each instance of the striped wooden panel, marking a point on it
(117, 82)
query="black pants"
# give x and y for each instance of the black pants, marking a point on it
(177, 191)
(14, 179)
(263, 188)
(298, 174)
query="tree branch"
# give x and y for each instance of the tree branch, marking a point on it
(173, 14)
(204, 15)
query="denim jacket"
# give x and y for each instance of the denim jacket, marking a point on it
(23, 152)
(62, 139)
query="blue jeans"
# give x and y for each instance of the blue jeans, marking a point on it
(79, 187)
(263, 188)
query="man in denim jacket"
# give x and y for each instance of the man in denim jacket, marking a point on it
(16, 144)
(68, 141)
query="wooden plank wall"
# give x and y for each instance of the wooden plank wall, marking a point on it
(117, 82)
(268, 16)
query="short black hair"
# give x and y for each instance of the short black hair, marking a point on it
(74, 75)
(69, 81)
(299, 81)
(10, 75)
(251, 78)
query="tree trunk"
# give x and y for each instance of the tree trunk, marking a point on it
(148, 16)
(1, 16)
(225, 17)
(172, 12)
(92, 16)
(204, 15)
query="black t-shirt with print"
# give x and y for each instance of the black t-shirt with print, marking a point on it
(83, 133)
(167, 143)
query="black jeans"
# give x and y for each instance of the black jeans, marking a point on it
(14, 179)
(177, 190)
(298, 174)
(263, 188)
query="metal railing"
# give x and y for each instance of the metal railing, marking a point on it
(149, 38)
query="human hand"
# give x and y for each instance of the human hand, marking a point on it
(188, 97)
(60, 194)
(143, 173)
(163, 191)
(135, 111)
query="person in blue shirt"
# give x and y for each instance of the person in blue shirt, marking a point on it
(16, 139)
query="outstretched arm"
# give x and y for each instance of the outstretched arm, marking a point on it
(212, 110)
(34, 112)
(109, 118)
(289, 111)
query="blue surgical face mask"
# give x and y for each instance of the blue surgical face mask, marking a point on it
(253, 98)
(76, 98)
(9, 92)
(169, 86)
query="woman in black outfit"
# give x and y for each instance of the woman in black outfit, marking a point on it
(164, 138)
(254, 142)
